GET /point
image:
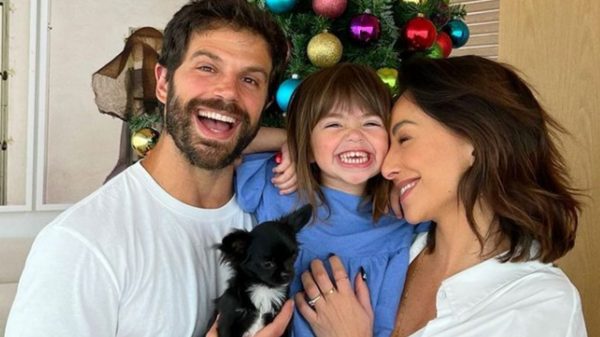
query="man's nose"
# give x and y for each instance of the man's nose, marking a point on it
(227, 88)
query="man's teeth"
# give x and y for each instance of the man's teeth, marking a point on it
(354, 157)
(216, 116)
(406, 187)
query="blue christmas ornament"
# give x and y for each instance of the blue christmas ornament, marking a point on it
(285, 91)
(458, 31)
(280, 6)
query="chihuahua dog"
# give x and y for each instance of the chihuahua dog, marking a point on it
(262, 261)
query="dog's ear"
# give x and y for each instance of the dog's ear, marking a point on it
(299, 217)
(234, 246)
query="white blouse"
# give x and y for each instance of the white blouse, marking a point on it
(493, 299)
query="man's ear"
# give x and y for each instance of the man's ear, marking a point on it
(162, 85)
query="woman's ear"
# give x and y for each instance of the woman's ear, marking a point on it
(162, 85)
(471, 156)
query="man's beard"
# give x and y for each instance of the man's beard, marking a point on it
(205, 153)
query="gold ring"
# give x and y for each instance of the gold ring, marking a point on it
(314, 300)
(329, 292)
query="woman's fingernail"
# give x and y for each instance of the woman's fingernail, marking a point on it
(363, 273)
(278, 158)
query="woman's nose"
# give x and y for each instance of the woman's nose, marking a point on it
(389, 169)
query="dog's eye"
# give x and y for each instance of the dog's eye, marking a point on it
(268, 264)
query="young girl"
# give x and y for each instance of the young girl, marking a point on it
(337, 138)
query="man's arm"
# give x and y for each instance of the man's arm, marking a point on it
(267, 139)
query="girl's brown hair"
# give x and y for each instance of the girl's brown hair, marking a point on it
(343, 85)
(518, 170)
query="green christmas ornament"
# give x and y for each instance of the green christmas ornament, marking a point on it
(389, 76)
(435, 52)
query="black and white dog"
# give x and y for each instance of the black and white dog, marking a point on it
(263, 267)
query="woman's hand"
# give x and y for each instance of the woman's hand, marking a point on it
(285, 172)
(335, 311)
(273, 329)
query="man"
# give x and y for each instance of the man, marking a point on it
(137, 257)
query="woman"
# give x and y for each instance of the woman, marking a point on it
(471, 151)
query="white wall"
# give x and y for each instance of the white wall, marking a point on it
(79, 146)
(82, 143)
(18, 63)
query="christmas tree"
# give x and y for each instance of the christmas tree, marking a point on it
(377, 33)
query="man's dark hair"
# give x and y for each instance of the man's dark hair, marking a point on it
(205, 15)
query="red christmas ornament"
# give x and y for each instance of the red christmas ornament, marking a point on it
(419, 33)
(329, 8)
(445, 43)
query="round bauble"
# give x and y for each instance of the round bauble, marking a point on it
(285, 91)
(458, 32)
(365, 27)
(389, 76)
(329, 8)
(144, 140)
(444, 41)
(324, 50)
(419, 33)
(280, 6)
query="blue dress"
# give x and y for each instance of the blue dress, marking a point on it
(349, 232)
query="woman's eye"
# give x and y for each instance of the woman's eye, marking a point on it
(332, 125)
(403, 139)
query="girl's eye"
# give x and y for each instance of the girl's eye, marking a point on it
(373, 123)
(332, 125)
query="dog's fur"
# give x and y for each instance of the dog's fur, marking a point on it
(263, 267)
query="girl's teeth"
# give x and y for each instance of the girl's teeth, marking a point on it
(354, 157)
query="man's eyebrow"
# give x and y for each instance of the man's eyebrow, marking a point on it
(205, 53)
(400, 124)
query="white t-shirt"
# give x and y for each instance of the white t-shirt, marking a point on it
(128, 260)
(493, 299)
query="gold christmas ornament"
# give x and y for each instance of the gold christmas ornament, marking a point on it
(144, 140)
(324, 50)
(389, 76)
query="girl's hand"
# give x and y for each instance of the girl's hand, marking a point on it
(273, 329)
(335, 311)
(285, 172)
